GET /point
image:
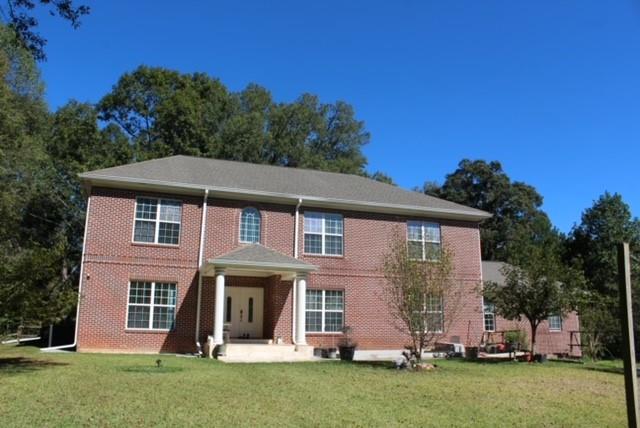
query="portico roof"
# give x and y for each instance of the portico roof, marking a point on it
(257, 260)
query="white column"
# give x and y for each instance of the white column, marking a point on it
(219, 311)
(301, 299)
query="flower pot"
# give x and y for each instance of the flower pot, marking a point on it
(347, 353)
(221, 350)
(540, 358)
(329, 353)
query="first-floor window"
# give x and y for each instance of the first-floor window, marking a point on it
(152, 305)
(489, 316)
(555, 322)
(434, 310)
(324, 311)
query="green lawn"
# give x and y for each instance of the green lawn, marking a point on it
(39, 389)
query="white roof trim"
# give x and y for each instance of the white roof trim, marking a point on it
(221, 262)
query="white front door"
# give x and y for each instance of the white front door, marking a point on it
(243, 311)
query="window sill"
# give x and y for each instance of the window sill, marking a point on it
(555, 330)
(325, 333)
(151, 244)
(326, 256)
(147, 331)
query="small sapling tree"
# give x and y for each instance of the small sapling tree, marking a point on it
(420, 290)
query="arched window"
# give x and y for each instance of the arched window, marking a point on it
(250, 225)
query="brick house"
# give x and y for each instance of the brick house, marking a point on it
(181, 250)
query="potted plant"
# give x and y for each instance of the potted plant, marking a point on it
(515, 339)
(347, 345)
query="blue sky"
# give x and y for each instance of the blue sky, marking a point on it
(549, 88)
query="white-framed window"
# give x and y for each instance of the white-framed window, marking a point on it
(323, 234)
(423, 240)
(555, 322)
(157, 221)
(250, 222)
(489, 316)
(434, 310)
(324, 311)
(151, 305)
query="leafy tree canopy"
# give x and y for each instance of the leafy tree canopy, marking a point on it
(604, 225)
(593, 244)
(18, 16)
(166, 113)
(537, 285)
(516, 206)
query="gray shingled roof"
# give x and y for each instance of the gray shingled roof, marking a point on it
(256, 255)
(491, 272)
(231, 176)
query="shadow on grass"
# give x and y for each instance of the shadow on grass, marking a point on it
(17, 365)
(150, 369)
(616, 370)
(380, 365)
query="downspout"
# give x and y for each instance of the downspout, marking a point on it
(296, 232)
(203, 223)
(84, 246)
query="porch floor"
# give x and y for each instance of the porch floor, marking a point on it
(266, 353)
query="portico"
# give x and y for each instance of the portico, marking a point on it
(240, 310)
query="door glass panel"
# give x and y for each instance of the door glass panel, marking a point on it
(228, 315)
(250, 317)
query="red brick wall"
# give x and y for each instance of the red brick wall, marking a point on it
(548, 341)
(366, 238)
(112, 260)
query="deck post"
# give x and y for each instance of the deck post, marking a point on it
(626, 318)
(219, 309)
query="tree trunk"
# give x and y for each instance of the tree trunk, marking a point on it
(534, 328)
(414, 337)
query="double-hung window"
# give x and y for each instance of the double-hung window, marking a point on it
(324, 311)
(489, 316)
(423, 240)
(434, 311)
(323, 234)
(157, 221)
(555, 322)
(152, 305)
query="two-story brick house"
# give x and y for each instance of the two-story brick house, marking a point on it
(182, 248)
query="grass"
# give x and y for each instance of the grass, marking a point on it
(39, 389)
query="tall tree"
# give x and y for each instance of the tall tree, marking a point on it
(516, 206)
(35, 284)
(18, 16)
(166, 113)
(593, 244)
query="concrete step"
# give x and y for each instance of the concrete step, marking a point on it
(261, 353)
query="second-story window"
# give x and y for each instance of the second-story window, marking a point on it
(250, 225)
(157, 221)
(323, 234)
(424, 240)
